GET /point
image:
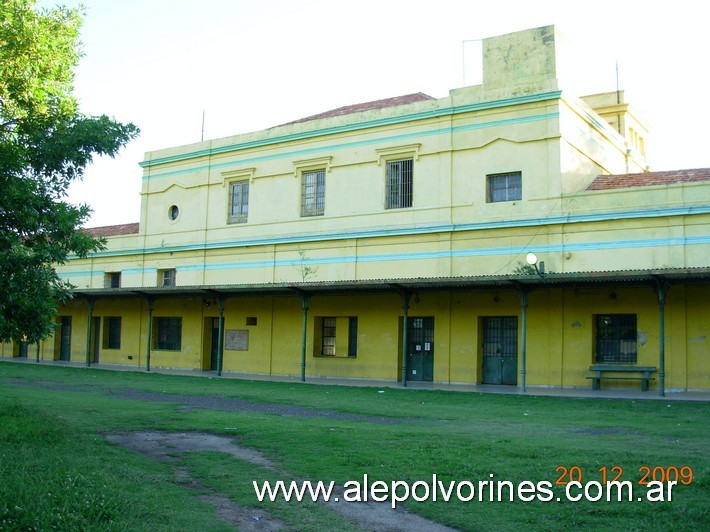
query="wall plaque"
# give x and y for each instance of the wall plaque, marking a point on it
(236, 340)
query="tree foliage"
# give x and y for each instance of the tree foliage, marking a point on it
(45, 144)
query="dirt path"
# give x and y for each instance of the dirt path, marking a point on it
(161, 445)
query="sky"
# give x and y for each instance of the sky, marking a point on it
(248, 65)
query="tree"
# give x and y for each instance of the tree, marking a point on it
(45, 144)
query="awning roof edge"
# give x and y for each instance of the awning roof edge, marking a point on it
(531, 281)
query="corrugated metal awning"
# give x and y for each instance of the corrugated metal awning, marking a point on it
(528, 282)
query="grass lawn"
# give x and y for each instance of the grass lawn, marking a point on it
(58, 470)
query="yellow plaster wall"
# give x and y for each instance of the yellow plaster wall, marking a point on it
(190, 354)
(258, 356)
(560, 330)
(378, 355)
(697, 337)
(580, 307)
(133, 323)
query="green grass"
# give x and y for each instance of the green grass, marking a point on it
(58, 472)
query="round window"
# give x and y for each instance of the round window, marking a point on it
(173, 212)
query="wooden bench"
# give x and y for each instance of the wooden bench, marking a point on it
(599, 369)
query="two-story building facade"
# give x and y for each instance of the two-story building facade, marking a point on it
(508, 233)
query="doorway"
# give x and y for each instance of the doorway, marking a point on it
(420, 349)
(65, 338)
(500, 350)
(95, 339)
(214, 344)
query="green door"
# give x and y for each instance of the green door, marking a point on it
(65, 338)
(500, 350)
(22, 349)
(420, 349)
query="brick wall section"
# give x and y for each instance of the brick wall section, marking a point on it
(646, 179)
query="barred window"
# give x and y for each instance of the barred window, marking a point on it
(616, 338)
(238, 202)
(328, 337)
(399, 190)
(505, 187)
(112, 332)
(313, 193)
(336, 336)
(168, 334)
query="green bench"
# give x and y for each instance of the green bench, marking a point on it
(600, 369)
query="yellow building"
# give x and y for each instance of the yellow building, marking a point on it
(508, 233)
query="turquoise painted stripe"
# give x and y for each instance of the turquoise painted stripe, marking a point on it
(422, 115)
(139, 271)
(447, 254)
(79, 273)
(354, 144)
(410, 231)
(429, 255)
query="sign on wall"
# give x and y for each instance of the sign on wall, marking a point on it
(237, 340)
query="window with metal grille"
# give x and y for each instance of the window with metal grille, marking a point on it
(352, 337)
(168, 334)
(112, 332)
(616, 338)
(505, 187)
(166, 277)
(500, 336)
(399, 190)
(328, 337)
(313, 193)
(238, 202)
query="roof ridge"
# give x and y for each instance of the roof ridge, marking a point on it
(382, 103)
(645, 179)
(131, 228)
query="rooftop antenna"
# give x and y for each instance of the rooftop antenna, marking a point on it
(618, 99)
(202, 136)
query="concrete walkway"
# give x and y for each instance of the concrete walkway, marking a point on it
(552, 391)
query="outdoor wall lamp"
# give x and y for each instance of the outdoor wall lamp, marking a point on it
(531, 259)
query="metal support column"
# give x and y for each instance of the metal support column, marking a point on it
(150, 333)
(405, 295)
(220, 340)
(90, 300)
(662, 338)
(305, 298)
(523, 294)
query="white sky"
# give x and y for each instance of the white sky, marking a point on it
(253, 64)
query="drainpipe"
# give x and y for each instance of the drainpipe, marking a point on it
(305, 298)
(90, 300)
(662, 338)
(220, 341)
(523, 294)
(150, 333)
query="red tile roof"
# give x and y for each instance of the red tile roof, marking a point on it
(113, 230)
(608, 182)
(367, 106)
